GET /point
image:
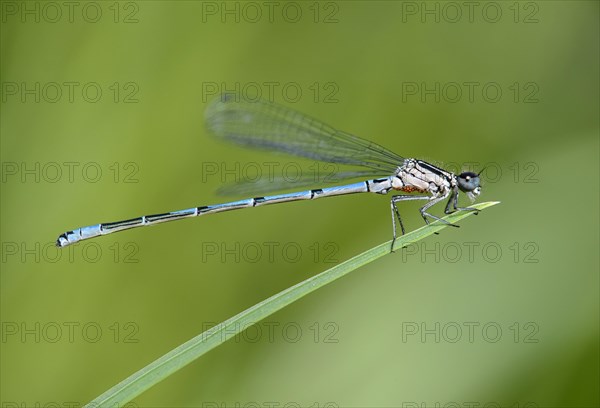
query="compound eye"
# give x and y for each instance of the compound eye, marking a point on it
(468, 181)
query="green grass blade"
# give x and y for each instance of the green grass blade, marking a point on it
(184, 354)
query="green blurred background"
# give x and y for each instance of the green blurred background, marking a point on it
(512, 321)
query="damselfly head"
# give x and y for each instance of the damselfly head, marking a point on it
(468, 182)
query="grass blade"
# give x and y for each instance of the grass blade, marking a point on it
(184, 354)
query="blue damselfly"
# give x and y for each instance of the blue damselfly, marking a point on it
(265, 125)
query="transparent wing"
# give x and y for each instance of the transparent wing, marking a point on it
(265, 125)
(280, 183)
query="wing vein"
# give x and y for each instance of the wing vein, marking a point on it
(268, 126)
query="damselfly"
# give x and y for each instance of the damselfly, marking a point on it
(265, 125)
